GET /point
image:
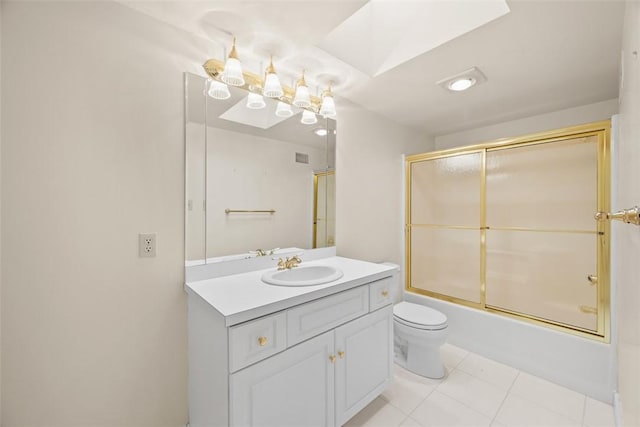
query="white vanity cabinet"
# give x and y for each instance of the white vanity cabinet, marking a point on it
(321, 382)
(313, 364)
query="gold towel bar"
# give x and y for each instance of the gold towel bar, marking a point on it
(269, 211)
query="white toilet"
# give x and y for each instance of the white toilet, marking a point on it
(419, 331)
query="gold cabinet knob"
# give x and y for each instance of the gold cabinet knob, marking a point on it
(592, 279)
(262, 341)
(341, 354)
(385, 293)
(332, 358)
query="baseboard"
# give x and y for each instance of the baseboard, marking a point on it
(617, 409)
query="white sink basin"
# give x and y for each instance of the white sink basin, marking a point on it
(302, 276)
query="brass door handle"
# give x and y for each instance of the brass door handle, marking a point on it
(385, 293)
(262, 341)
(341, 354)
(592, 279)
(630, 216)
(332, 358)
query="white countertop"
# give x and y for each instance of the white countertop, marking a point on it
(244, 296)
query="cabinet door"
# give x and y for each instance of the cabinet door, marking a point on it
(363, 368)
(294, 388)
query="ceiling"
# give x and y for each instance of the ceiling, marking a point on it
(538, 55)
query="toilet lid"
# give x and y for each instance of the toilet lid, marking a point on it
(419, 315)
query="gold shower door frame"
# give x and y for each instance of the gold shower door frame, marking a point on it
(601, 130)
(316, 176)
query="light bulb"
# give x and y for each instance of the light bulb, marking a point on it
(462, 84)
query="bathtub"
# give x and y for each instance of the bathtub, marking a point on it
(581, 364)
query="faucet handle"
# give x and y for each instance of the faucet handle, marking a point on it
(282, 264)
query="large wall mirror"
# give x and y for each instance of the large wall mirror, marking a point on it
(257, 182)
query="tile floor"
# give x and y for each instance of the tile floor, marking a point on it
(480, 392)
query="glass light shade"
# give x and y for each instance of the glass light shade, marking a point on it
(232, 74)
(302, 98)
(255, 101)
(308, 118)
(218, 90)
(328, 107)
(272, 86)
(462, 84)
(283, 110)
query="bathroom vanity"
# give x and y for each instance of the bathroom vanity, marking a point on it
(266, 355)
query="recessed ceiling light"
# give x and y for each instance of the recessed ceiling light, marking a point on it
(463, 81)
(462, 84)
(320, 131)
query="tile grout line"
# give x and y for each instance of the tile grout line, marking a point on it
(414, 409)
(505, 398)
(552, 409)
(464, 404)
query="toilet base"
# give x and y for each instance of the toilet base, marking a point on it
(425, 361)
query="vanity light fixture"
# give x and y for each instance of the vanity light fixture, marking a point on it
(308, 118)
(272, 86)
(283, 110)
(328, 107)
(232, 74)
(255, 101)
(218, 90)
(267, 84)
(302, 98)
(463, 81)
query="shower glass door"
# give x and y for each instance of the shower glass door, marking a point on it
(509, 227)
(541, 238)
(445, 226)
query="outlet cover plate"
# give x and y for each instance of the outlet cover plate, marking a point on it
(147, 245)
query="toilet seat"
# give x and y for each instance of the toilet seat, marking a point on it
(419, 316)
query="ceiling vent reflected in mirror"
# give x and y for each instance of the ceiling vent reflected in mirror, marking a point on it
(302, 158)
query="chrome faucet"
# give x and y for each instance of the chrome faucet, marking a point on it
(289, 263)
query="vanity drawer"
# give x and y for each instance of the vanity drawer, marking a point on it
(381, 293)
(314, 318)
(256, 340)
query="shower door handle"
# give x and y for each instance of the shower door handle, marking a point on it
(629, 216)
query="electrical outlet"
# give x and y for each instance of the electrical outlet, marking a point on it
(147, 245)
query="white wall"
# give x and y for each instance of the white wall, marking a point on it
(92, 155)
(370, 184)
(627, 237)
(540, 123)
